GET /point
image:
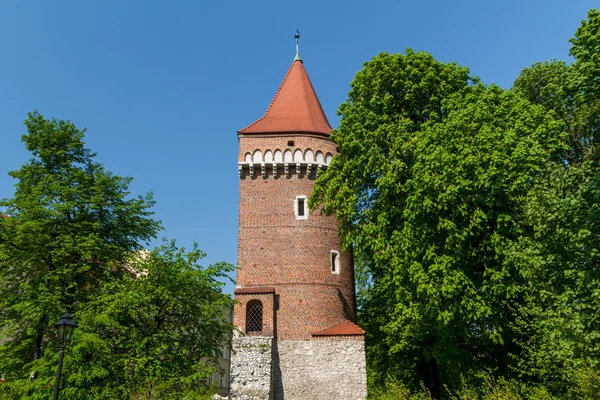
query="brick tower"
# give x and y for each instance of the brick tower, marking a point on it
(295, 286)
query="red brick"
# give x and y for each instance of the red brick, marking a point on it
(276, 250)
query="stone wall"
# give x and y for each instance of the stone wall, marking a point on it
(320, 369)
(251, 368)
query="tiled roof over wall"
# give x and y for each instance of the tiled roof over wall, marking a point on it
(344, 328)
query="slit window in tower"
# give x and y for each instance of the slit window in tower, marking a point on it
(300, 207)
(335, 262)
(254, 317)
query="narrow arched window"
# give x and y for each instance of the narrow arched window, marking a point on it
(301, 207)
(335, 262)
(254, 316)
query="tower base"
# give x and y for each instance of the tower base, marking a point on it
(251, 368)
(263, 368)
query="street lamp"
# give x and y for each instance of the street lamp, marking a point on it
(64, 329)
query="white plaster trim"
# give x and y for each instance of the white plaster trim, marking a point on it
(301, 217)
(335, 269)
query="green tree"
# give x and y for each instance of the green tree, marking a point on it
(155, 334)
(586, 78)
(558, 257)
(431, 177)
(473, 212)
(572, 91)
(547, 84)
(72, 241)
(557, 253)
(71, 223)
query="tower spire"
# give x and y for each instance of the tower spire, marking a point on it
(297, 36)
(295, 107)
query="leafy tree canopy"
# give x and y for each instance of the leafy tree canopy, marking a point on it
(433, 193)
(150, 322)
(462, 202)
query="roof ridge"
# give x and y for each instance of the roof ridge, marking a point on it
(353, 324)
(318, 101)
(274, 97)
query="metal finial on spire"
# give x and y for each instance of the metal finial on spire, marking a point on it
(297, 36)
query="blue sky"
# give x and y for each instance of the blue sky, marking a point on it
(163, 87)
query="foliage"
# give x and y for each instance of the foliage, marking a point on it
(571, 91)
(586, 384)
(558, 257)
(71, 222)
(393, 390)
(473, 213)
(586, 78)
(157, 331)
(546, 84)
(433, 196)
(149, 322)
(500, 389)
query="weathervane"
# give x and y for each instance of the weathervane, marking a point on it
(297, 36)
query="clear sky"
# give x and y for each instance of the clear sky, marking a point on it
(163, 87)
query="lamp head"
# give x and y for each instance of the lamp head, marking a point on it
(64, 328)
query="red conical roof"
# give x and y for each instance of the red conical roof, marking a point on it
(295, 107)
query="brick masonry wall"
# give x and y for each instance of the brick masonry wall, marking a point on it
(239, 314)
(319, 369)
(293, 256)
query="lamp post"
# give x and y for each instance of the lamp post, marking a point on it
(64, 329)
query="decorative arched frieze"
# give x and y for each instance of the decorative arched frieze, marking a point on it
(309, 156)
(278, 156)
(268, 156)
(320, 158)
(298, 156)
(257, 157)
(300, 162)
